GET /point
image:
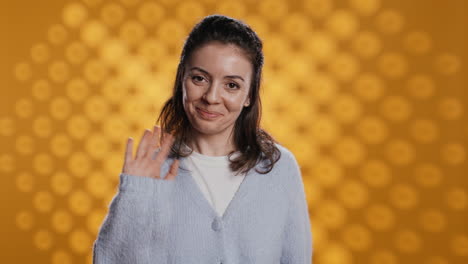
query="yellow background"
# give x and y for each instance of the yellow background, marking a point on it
(370, 95)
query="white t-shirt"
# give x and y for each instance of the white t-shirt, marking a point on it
(214, 178)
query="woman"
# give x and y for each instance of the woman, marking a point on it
(230, 193)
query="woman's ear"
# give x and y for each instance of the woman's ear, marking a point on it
(247, 102)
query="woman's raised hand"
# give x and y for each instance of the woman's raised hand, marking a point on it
(144, 164)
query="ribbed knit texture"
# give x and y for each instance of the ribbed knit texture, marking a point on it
(160, 221)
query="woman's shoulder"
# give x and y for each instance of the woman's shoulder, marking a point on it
(287, 157)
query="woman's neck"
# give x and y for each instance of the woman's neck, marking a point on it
(212, 145)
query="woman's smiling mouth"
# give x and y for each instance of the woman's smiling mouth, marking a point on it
(207, 115)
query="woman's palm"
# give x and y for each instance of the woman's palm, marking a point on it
(145, 164)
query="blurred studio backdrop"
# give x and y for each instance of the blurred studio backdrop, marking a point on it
(370, 95)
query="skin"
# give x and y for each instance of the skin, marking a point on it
(217, 79)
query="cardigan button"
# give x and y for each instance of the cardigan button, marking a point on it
(216, 225)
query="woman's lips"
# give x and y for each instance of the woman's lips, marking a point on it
(207, 115)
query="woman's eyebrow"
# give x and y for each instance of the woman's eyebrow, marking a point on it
(227, 76)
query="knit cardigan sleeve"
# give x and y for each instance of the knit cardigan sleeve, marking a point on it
(297, 237)
(124, 236)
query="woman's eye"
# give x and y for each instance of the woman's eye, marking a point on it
(233, 85)
(197, 78)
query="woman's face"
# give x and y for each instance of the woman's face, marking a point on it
(215, 87)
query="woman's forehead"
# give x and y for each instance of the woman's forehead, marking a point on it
(219, 58)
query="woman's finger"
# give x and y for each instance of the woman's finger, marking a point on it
(167, 141)
(128, 150)
(141, 151)
(155, 137)
(173, 170)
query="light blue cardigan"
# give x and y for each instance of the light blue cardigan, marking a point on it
(161, 221)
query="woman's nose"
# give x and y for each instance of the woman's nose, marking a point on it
(212, 94)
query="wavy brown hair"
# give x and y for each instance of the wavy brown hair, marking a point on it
(254, 144)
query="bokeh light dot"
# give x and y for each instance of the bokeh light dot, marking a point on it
(407, 241)
(61, 257)
(43, 201)
(60, 108)
(25, 181)
(427, 174)
(77, 89)
(456, 198)
(335, 253)
(23, 71)
(62, 221)
(25, 220)
(76, 52)
(232, 9)
(24, 107)
(7, 126)
(78, 126)
(366, 44)
(61, 183)
(342, 24)
(150, 13)
(420, 86)
(95, 219)
(7, 163)
(24, 144)
(57, 34)
(453, 153)
(396, 108)
(368, 86)
(353, 194)
(112, 14)
(80, 241)
(375, 173)
(349, 151)
(132, 33)
(318, 8)
(365, 7)
(79, 164)
(344, 66)
(432, 220)
(74, 14)
(40, 53)
(41, 90)
(97, 108)
(95, 71)
(272, 10)
(380, 217)
(417, 42)
(372, 129)
(43, 239)
(331, 214)
(59, 71)
(357, 237)
(320, 46)
(43, 163)
(450, 108)
(403, 196)
(61, 145)
(389, 21)
(447, 64)
(459, 245)
(383, 256)
(393, 65)
(80, 202)
(190, 12)
(424, 130)
(327, 171)
(93, 32)
(346, 108)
